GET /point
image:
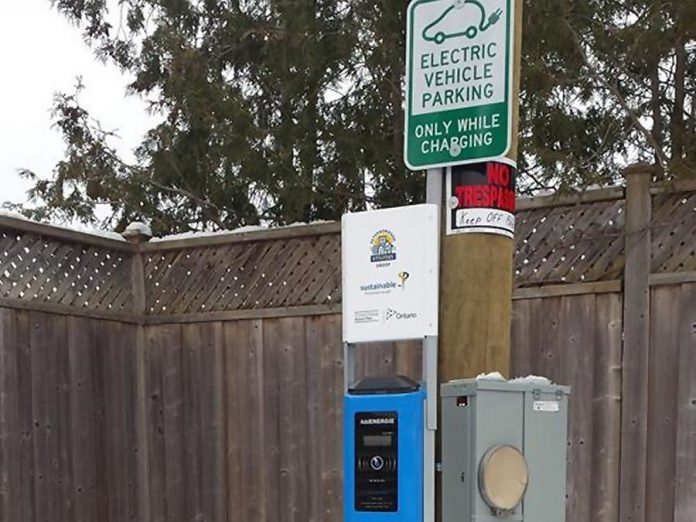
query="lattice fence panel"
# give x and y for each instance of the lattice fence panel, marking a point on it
(41, 269)
(569, 244)
(674, 232)
(243, 276)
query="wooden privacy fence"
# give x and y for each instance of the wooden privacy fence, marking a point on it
(201, 379)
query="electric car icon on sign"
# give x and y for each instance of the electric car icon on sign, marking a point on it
(434, 32)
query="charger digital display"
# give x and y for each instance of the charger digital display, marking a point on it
(376, 467)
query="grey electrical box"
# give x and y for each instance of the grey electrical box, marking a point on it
(504, 450)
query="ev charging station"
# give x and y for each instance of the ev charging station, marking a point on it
(390, 293)
(503, 442)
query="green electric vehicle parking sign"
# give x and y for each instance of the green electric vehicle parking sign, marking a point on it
(458, 81)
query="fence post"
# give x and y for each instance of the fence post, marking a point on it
(636, 304)
(137, 236)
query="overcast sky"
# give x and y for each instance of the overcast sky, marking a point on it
(41, 54)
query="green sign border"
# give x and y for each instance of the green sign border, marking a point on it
(408, 117)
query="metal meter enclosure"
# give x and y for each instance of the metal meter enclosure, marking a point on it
(383, 453)
(504, 450)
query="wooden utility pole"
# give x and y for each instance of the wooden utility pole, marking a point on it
(476, 282)
(476, 279)
(463, 60)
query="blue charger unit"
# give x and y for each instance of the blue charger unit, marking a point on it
(383, 451)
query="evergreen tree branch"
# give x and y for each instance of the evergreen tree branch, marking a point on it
(619, 97)
(191, 196)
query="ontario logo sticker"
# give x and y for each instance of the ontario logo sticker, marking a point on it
(383, 246)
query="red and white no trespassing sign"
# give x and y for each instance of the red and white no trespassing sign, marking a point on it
(481, 198)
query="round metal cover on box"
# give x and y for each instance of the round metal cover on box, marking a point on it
(503, 477)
